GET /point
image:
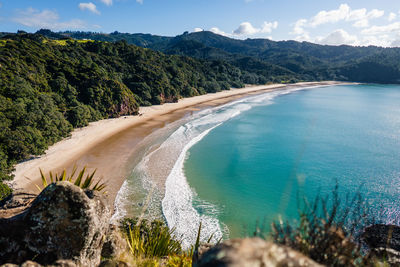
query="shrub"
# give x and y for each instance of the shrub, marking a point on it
(327, 231)
(5, 191)
(150, 240)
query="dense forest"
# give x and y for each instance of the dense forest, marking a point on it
(269, 59)
(50, 86)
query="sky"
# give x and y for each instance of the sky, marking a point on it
(352, 22)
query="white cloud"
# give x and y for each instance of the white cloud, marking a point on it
(197, 30)
(246, 28)
(375, 13)
(107, 2)
(218, 31)
(45, 19)
(267, 27)
(354, 18)
(89, 6)
(360, 17)
(298, 28)
(392, 16)
(390, 28)
(362, 23)
(331, 16)
(139, 1)
(338, 37)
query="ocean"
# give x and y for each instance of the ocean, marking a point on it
(249, 162)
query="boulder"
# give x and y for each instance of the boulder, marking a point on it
(115, 244)
(253, 252)
(62, 223)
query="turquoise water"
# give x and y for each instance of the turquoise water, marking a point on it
(253, 166)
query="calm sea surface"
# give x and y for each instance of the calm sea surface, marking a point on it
(255, 165)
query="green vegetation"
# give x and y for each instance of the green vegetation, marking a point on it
(329, 231)
(149, 243)
(4, 191)
(83, 183)
(150, 239)
(48, 87)
(270, 60)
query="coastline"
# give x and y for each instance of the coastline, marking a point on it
(107, 145)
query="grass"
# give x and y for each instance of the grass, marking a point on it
(79, 180)
(65, 42)
(150, 240)
(154, 244)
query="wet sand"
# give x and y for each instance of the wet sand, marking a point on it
(109, 145)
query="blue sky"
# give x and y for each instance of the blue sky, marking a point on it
(353, 22)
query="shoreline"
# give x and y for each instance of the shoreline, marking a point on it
(107, 145)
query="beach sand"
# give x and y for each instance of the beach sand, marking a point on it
(108, 145)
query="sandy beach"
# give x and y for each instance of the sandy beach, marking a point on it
(107, 145)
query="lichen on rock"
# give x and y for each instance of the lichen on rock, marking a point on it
(63, 222)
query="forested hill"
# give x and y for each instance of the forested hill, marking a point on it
(49, 86)
(52, 82)
(302, 60)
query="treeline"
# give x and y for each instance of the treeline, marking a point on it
(48, 87)
(273, 61)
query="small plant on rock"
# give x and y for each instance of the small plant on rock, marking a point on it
(80, 181)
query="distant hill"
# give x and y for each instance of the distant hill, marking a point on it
(300, 60)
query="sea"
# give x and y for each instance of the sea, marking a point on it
(243, 165)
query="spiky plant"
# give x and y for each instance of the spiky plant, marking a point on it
(150, 240)
(79, 180)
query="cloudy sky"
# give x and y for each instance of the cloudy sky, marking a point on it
(353, 22)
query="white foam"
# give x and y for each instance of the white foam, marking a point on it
(177, 203)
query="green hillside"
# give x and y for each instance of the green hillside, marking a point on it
(50, 86)
(302, 60)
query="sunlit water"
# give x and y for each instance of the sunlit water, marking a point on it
(249, 161)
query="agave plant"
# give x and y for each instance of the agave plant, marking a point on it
(79, 180)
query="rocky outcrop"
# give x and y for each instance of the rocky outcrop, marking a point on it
(252, 252)
(62, 223)
(384, 242)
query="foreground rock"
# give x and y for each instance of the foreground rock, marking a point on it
(253, 252)
(62, 223)
(384, 242)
